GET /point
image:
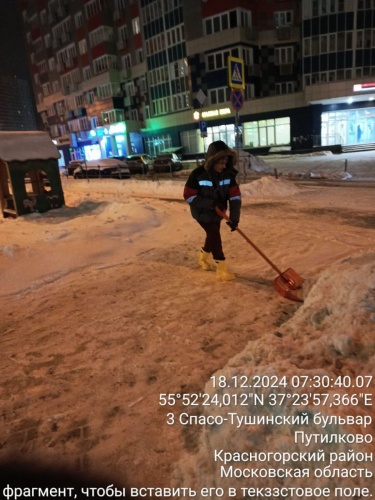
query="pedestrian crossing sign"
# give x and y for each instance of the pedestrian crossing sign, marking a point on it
(236, 73)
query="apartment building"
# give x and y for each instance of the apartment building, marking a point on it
(17, 107)
(115, 77)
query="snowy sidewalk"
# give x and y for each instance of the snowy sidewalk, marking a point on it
(324, 165)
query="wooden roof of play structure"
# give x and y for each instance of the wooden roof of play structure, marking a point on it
(23, 146)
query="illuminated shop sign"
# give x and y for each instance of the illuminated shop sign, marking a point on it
(114, 129)
(360, 87)
(213, 113)
(117, 128)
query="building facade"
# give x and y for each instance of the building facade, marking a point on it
(17, 105)
(116, 77)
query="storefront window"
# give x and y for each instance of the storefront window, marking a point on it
(158, 143)
(192, 142)
(263, 136)
(224, 133)
(273, 132)
(120, 145)
(92, 152)
(251, 136)
(348, 127)
(282, 128)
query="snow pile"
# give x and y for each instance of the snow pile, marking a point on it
(250, 163)
(128, 187)
(341, 176)
(269, 187)
(258, 165)
(265, 187)
(332, 331)
(325, 165)
(345, 176)
(298, 157)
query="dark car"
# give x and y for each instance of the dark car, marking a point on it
(167, 162)
(139, 164)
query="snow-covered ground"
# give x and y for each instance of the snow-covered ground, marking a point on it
(104, 310)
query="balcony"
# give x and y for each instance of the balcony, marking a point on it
(125, 74)
(80, 112)
(118, 14)
(284, 32)
(253, 70)
(251, 33)
(62, 11)
(75, 87)
(70, 89)
(121, 44)
(286, 69)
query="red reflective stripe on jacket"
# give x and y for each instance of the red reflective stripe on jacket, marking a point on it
(234, 191)
(189, 192)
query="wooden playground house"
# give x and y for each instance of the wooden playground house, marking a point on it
(30, 179)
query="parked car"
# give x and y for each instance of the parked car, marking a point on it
(167, 162)
(106, 168)
(84, 172)
(140, 164)
(120, 173)
(73, 165)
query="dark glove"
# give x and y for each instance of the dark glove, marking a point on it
(233, 224)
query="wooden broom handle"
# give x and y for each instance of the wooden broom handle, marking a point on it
(223, 214)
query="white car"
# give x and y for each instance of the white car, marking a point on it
(105, 168)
